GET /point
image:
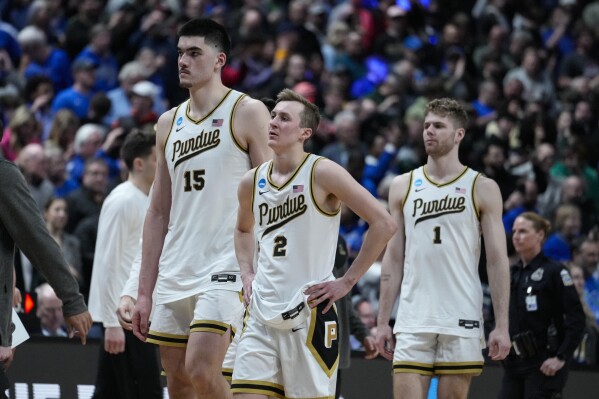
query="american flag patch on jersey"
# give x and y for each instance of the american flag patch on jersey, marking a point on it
(298, 188)
(217, 122)
(459, 190)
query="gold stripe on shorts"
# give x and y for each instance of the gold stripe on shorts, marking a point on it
(228, 374)
(175, 340)
(258, 388)
(413, 367)
(213, 326)
(459, 368)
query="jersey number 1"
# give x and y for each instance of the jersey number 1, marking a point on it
(437, 231)
(198, 179)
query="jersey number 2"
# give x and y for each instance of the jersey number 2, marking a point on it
(198, 179)
(437, 231)
(280, 244)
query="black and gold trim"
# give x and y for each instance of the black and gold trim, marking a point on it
(171, 129)
(407, 194)
(174, 340)
(318, 208)
(446, 368)
(255, 186)
(227, 373)
(198, 121)
(458, 177)
(413, 368)
(321, 341)
(474, 204)
(279, 188)
(213, 326)
(232, 127)
(258, 388)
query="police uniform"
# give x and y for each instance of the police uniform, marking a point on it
(546, 320)
(288, 350)
(199, 284)
(439, 318)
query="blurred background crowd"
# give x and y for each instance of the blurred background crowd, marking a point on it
(76, 76)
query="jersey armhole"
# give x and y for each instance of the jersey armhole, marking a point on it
(407, 194)
(232, 125)
(318, 208)
(474, 204)
(171, 128)
(255, 185)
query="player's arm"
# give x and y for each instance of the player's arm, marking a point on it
(244, 234)
(334, 184)
(490, 206)
(109, 250)
(392, 267)
(155, 228)
(129, 292)
(250, 127)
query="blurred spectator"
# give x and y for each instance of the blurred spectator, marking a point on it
(588, 351)
(333, 47)
(22, 129)
(77, 97)
(537, 85)
(49, 311)
(485, 105)
(56, 215)
(558, 245)
(89, 13)
(87, 199)
(39, 94)
(142, 113)
(589, 260)
(587, 256)
(62, 132)
(347, 136)
(40, 58)
(580, 62)
(523, 199)
(33, 165)
(572, 162)
(98, 52)
(57, 172)
(120, 97)
(494, 167)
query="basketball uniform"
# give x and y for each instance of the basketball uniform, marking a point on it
(288, 350)
(440, 303)
(199, 283)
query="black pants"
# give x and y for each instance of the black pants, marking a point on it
(133, 374)
(532, 384)
(4, 385)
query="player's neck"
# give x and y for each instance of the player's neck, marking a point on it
(140, 183)
(443, 168)
(285, 163)
(204, 99)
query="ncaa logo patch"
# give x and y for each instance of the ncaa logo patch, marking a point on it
(418, 182)
(262, 183)
(179, 120)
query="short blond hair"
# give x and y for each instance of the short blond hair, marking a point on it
(310, 115)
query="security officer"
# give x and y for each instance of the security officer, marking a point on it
(546, 317)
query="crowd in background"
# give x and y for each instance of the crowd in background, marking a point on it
(77, 76)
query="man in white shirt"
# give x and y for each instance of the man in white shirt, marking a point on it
(128, 368)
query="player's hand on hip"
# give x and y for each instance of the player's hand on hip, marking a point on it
(499, 344)
(385, 343)
(124, 312)
(330, 291)
(79, 325)
(247, 279)
(141, 317)
(114, 340)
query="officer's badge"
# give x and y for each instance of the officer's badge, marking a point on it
(566, 279)
(537, 275)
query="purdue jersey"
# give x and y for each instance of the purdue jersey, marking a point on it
(296, 242)
(205, 164)
(441, 291)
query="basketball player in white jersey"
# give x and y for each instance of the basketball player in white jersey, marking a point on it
(204, 147)
(289, 214)
(432, 262)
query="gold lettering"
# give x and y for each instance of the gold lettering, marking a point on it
(330, 331)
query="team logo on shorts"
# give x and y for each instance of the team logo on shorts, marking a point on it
(330, 333)
(262, 183)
